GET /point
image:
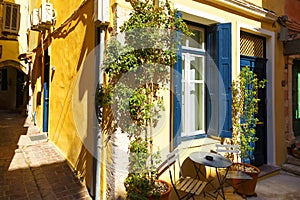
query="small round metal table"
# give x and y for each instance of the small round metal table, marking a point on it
(212, 160)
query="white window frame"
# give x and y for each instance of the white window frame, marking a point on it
(186, 82)
(9, 28)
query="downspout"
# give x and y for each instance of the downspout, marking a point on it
(101, 19)
(100, 36)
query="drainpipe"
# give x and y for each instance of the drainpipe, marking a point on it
(101, 19)
(98, 133)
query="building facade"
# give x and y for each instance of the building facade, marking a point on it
(13, 72)
(228, 36)
(63, 39)
(289, 35)
(66, 49)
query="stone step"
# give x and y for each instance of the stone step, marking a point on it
(267, 171)
(295, 169)
(293, 160)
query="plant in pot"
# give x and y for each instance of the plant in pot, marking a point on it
(137, 70)
(244, 108)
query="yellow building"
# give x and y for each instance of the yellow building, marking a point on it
(233, 34)
(67, 49)
(13, 40)
(64, 40)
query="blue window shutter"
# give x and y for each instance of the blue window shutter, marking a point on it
(211, 82)
(219, 79)
(225, 69)
(177, 102)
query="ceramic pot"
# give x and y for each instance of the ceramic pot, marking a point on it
(246, 187)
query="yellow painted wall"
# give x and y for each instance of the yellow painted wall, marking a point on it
(71, 106)
(12, 46)
(280, 141)
(72, 87)
(11, 49)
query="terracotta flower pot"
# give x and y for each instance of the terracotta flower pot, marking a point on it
(165, 195)
(246, 187)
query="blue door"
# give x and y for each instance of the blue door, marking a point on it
(46, 91)
(258, 65)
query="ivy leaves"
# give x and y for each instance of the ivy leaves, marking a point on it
(138, 65)
(244, 107)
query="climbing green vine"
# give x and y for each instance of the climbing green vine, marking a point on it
(138, 68)
(244, 109)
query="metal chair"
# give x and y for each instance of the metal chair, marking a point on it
(187, 186)
(232, 174)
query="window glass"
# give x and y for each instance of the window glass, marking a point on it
(192, 95)
(196, 67)
(11, 17)
(298, 93)
(195, 107)
(195, 41)
(7, 16)
(14, 18)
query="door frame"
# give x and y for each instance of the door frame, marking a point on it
(271, 38)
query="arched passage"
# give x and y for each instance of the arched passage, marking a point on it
(13, 85)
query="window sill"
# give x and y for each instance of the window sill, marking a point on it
(202, 141)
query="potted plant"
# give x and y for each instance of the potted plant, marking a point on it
(137, 70)
(244, 108)
(142, 181)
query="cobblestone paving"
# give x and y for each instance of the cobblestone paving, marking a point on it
(35, 171)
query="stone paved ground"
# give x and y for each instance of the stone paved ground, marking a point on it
(33, 170)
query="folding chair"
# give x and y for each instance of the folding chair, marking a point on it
(184, 187)
(232, 174)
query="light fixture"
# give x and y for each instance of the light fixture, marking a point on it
(27, 57)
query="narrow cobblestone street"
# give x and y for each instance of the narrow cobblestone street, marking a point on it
(31, 167)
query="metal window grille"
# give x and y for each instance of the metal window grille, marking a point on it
(251, 45)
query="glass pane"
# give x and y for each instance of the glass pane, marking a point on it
(14, 18)
(7, 16)
(183, 96)
(183, 109)
(196, 67)
(183, 67)
(298, 104)
(195, 41)
(196, 107)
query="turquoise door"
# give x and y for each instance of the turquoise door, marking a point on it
(258, 65)
(296, 97)
(46, 91)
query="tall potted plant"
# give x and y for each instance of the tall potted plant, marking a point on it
(137, 70)
(244, 108)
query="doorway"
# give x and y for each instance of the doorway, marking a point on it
(20, 89)
(46, 90)
(296, 97)
(258, 65)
